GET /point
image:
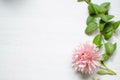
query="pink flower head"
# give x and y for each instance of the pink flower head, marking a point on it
(86, 58)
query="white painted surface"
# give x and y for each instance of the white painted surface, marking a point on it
(37, 38)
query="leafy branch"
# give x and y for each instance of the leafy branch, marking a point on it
(100, 19)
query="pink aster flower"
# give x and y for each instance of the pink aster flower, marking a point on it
(86, 58)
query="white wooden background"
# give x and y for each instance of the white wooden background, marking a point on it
(37, 38)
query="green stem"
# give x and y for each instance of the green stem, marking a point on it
(88, 2)
(108, 69)
(111, 71)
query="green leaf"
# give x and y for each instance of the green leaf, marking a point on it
(95, 9)
(91, 9)
(90, 19)
(97, 40)
(105, 72)
(105, 57)
(108, 27)
(108, 30)
(98, 9)
(101, 26)
(80, 0)
(110, 48)
(108, 35)
(103, 17)
(116, 25)
(105, 5)
(88, 1)
(91, 27)
(109, 17)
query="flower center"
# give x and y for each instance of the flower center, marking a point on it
(83, 54)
